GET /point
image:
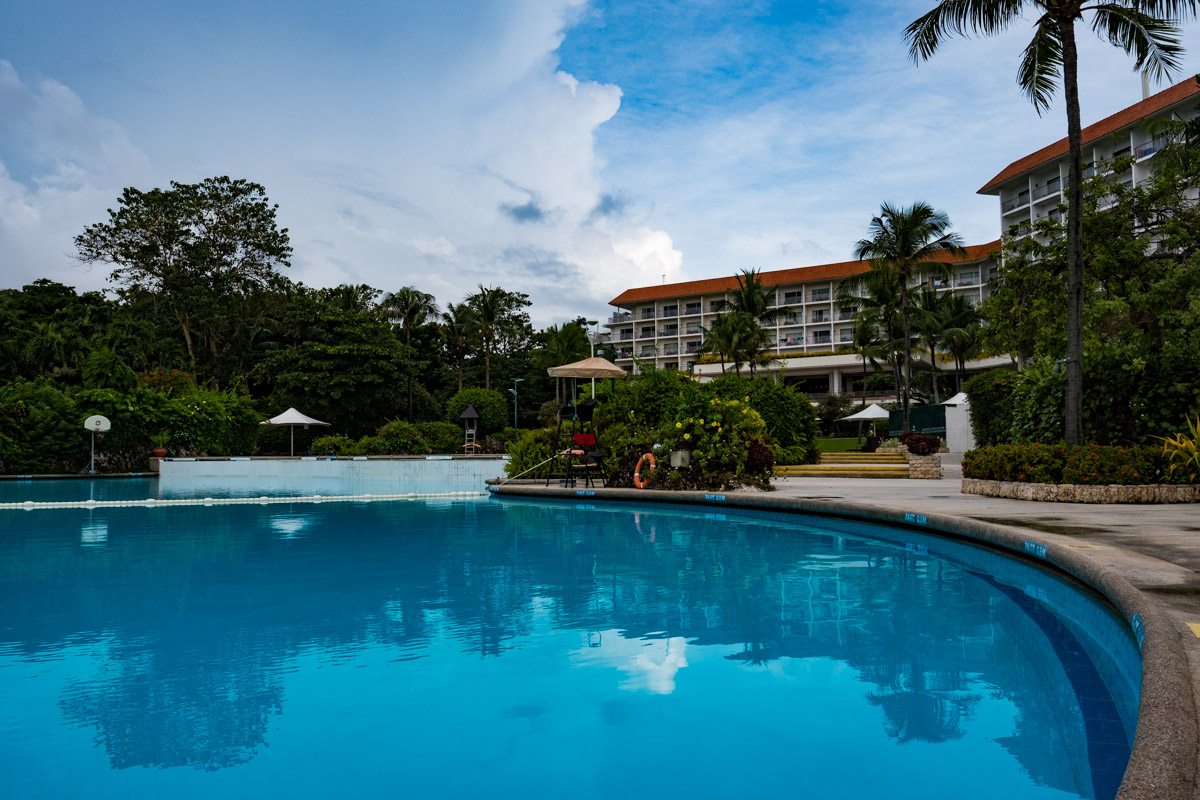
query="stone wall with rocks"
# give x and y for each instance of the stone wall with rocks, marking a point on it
(1075, 493)
(924, 467)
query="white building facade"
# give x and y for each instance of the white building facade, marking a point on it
(664, 325)
(1032, 188)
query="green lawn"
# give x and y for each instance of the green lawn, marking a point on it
(837, 445)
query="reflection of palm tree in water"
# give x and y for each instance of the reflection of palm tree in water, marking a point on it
(923, 706)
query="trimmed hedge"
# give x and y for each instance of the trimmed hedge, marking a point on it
(1058, 464)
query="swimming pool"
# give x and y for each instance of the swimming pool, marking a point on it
(508, 648)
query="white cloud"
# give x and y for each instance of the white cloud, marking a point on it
(60, 168)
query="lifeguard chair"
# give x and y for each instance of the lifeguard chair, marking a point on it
(470, 419)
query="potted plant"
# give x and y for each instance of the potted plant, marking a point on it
(159, 444)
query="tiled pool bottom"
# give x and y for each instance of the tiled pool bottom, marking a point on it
(513, 649)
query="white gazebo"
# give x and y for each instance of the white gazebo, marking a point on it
(292, 418)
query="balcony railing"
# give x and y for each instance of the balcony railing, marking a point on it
(670, 311)
(621, 317)
(790, 319)
(647, 314)
(647, 351)
(646, 333)
(1016, 202)
(1151, 147)
(671, 350)
(844, 315)
(846, 337)
(818, 295)
(691, 308)
(791, 298)
(821, 337)
(1051, 187)
(626, 336)
(967, 280)
(671, 330)
(693, 330)
(694, 347)
(819, 316)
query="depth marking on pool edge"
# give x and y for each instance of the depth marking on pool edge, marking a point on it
(30, 505)
(920, 519)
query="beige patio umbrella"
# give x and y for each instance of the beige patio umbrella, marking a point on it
(292, 418)
(594, 367)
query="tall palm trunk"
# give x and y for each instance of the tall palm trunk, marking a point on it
(904, 424)
(1073, 417)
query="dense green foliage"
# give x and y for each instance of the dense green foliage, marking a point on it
(202, 303)
(1087, 464)
(733, 431)
(493, 410)
(991, 405)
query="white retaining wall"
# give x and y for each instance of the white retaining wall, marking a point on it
(314, 476)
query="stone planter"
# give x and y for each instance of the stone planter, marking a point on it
(924, 467)
(1075, 493)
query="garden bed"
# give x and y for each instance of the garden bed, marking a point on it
(1079, 493)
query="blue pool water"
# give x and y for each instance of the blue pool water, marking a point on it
(506, 648)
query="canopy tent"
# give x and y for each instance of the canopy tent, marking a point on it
(959, 399)
(292, 418)
(871, 412)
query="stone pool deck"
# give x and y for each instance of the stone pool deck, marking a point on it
(1155, 549)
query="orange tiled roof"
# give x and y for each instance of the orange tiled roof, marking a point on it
(1109, 125)
(779, 277)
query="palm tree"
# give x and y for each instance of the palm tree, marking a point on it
(459, 323)
(409, 308)
(735, 336)
(961, 334)
(875, 296)
(490, 306)
(1145, 29)
(931, 317)
(906, 241)
(561, 346)
(867, 343)
(754, 305)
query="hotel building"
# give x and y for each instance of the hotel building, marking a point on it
(664, 325)
(1032, 188)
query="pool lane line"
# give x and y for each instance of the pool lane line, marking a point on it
(31, 505)
(1164, 761)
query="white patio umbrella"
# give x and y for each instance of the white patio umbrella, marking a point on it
(292, 418)
(871, 412)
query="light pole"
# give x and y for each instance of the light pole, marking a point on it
(592, 342)
(514, 394)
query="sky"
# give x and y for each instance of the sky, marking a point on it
(568, 149)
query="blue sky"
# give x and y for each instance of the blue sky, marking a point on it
(564, 148)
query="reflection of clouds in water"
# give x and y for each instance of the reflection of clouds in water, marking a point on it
(287, 526)
(646, 674)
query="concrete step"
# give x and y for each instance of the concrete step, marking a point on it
(843, 471)
(863, 458)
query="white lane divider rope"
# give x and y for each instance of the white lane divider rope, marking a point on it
(31, 505)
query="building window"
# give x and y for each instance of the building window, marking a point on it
(647, 313)
(819, 315)
(821, 337)
(626, 334)
(818, 295)
(670, 311)
(672, 365)
(791, 298)
(692, 308)
(647, 333)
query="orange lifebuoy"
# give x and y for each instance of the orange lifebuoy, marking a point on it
(647, 458)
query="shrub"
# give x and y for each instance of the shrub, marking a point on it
(529, 450)
(1182, 452)
(488, 403)
(790, 418)
(333, 446)
(44, 432)
(441, 437)
(990, 396)
(396, 438)
(1085, 464)
(920, 444)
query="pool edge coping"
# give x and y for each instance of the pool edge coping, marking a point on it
(1163, 761)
